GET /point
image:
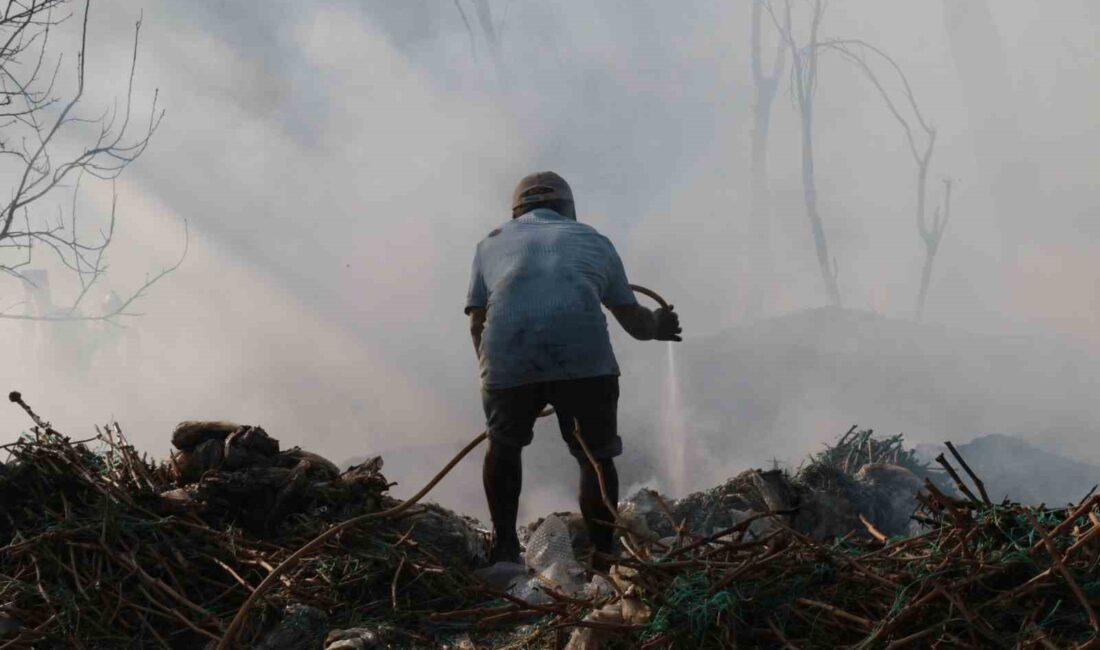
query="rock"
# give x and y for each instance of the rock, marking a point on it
(356, 638)
(302, 628)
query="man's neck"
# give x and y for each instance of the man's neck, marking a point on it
(546, 213)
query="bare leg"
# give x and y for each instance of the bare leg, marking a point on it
(502, 476)
(593, 508)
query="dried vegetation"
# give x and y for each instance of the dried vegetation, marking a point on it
(103, 548)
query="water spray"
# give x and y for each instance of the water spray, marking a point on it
(673, 421)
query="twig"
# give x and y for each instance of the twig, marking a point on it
(969, 472)
(1056, 559)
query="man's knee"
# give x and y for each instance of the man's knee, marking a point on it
(503, 453)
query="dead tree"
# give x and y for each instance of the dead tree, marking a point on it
(37, 117)
(920, 146)
(490, 33)
(765, 86)
(804, 86)
(931, 237)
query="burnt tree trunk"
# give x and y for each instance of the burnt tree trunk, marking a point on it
(804, 68)
(761, 201)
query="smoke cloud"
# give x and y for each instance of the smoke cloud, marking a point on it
(337, 162)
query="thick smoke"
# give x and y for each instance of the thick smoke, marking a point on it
(336, 163)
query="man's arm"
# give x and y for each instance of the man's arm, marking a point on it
(477, 299)
(477, 326)
(646, 324)
(638, 321)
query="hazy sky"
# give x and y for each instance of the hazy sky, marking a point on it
(338, 161)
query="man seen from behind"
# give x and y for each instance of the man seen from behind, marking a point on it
(536, 290)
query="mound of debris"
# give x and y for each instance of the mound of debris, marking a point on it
(864, 546)
(859, 484)
(101, 547)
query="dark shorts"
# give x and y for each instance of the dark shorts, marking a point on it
(593, 401)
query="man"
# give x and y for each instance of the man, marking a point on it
(541, 338)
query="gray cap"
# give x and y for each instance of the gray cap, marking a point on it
(540, 186)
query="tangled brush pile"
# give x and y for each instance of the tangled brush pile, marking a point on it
(100, 547)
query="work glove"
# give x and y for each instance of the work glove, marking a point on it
(668, 324)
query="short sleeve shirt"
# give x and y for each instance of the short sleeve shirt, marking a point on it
(542, 279)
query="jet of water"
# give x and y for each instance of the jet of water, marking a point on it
(674, 430)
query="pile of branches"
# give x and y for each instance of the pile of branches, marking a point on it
(980, 575)
(858, 448)
(98, 550)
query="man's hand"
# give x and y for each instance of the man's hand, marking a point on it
(648, 325)
(668, 324)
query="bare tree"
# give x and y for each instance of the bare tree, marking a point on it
(931, 237)
(485, 19)
(804, 87)
(469, 31)
(765, 87)
(490, 33)
(920, 146)
(38, 117)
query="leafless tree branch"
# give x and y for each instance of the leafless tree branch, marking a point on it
(469, 30)
(766, 86)
(490, 32)
(931, 236)
(804, 68)
(35, 114)
(921, 148)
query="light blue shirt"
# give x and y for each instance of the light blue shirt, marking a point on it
(541, 279)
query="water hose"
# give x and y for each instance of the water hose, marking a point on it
(651, 293)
